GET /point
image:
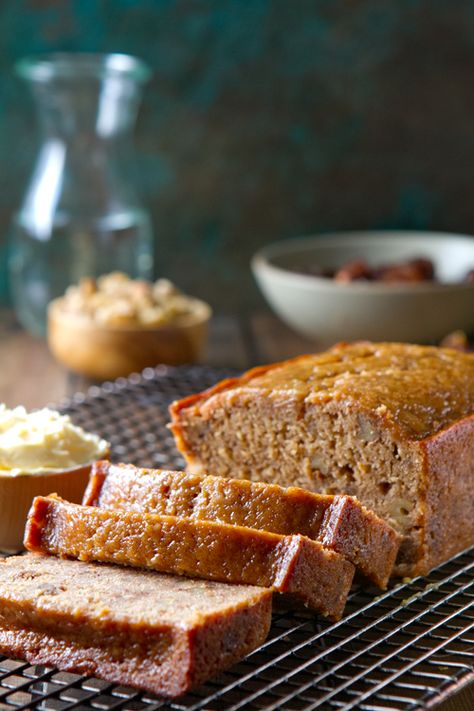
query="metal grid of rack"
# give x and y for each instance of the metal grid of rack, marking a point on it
(406, 648)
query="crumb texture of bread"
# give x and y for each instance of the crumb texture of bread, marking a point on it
(339, 522)
(371, 420)
(184, 546)
(161, 633)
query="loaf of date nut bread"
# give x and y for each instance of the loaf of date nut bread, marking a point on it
(295, 565)
(161, 633)
(389, 423)
(338, 522)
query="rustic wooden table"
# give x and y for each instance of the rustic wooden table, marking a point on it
(29, 376)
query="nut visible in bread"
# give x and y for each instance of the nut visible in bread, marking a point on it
(338, 522)
(389, 423)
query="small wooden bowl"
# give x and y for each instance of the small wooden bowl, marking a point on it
(105, 352)
(17, 493)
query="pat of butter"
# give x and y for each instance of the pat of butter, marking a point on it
(44, 441)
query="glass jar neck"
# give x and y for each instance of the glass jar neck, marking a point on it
(105, 110)
(89, 94)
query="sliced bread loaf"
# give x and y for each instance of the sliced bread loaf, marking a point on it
(389, 423)
(338, 522)
(296, 565)
(161, 633)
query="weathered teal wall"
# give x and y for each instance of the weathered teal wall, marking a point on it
(268, 119)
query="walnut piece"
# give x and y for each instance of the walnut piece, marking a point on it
(116, 300)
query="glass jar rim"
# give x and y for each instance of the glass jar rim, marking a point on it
(81, 65)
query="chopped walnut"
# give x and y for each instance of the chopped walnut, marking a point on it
(116, 300)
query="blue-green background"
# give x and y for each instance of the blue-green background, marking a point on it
(268, 119)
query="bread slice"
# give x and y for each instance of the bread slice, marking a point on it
(161, 633)
(389, 423)
(338, 522)
(205, 549)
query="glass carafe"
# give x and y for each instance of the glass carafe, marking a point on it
(80, 215)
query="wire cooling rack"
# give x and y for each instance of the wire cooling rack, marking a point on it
(407, 648)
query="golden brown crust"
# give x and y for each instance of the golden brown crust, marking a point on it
(227, 384)
(183, 546)
(382, 422)
(449, 493)
(198, 654)
(422, 389)
(338, 522)
(190, 401)
(38, 622)
(362, 537)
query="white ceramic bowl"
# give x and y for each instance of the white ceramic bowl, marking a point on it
(329, 311)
